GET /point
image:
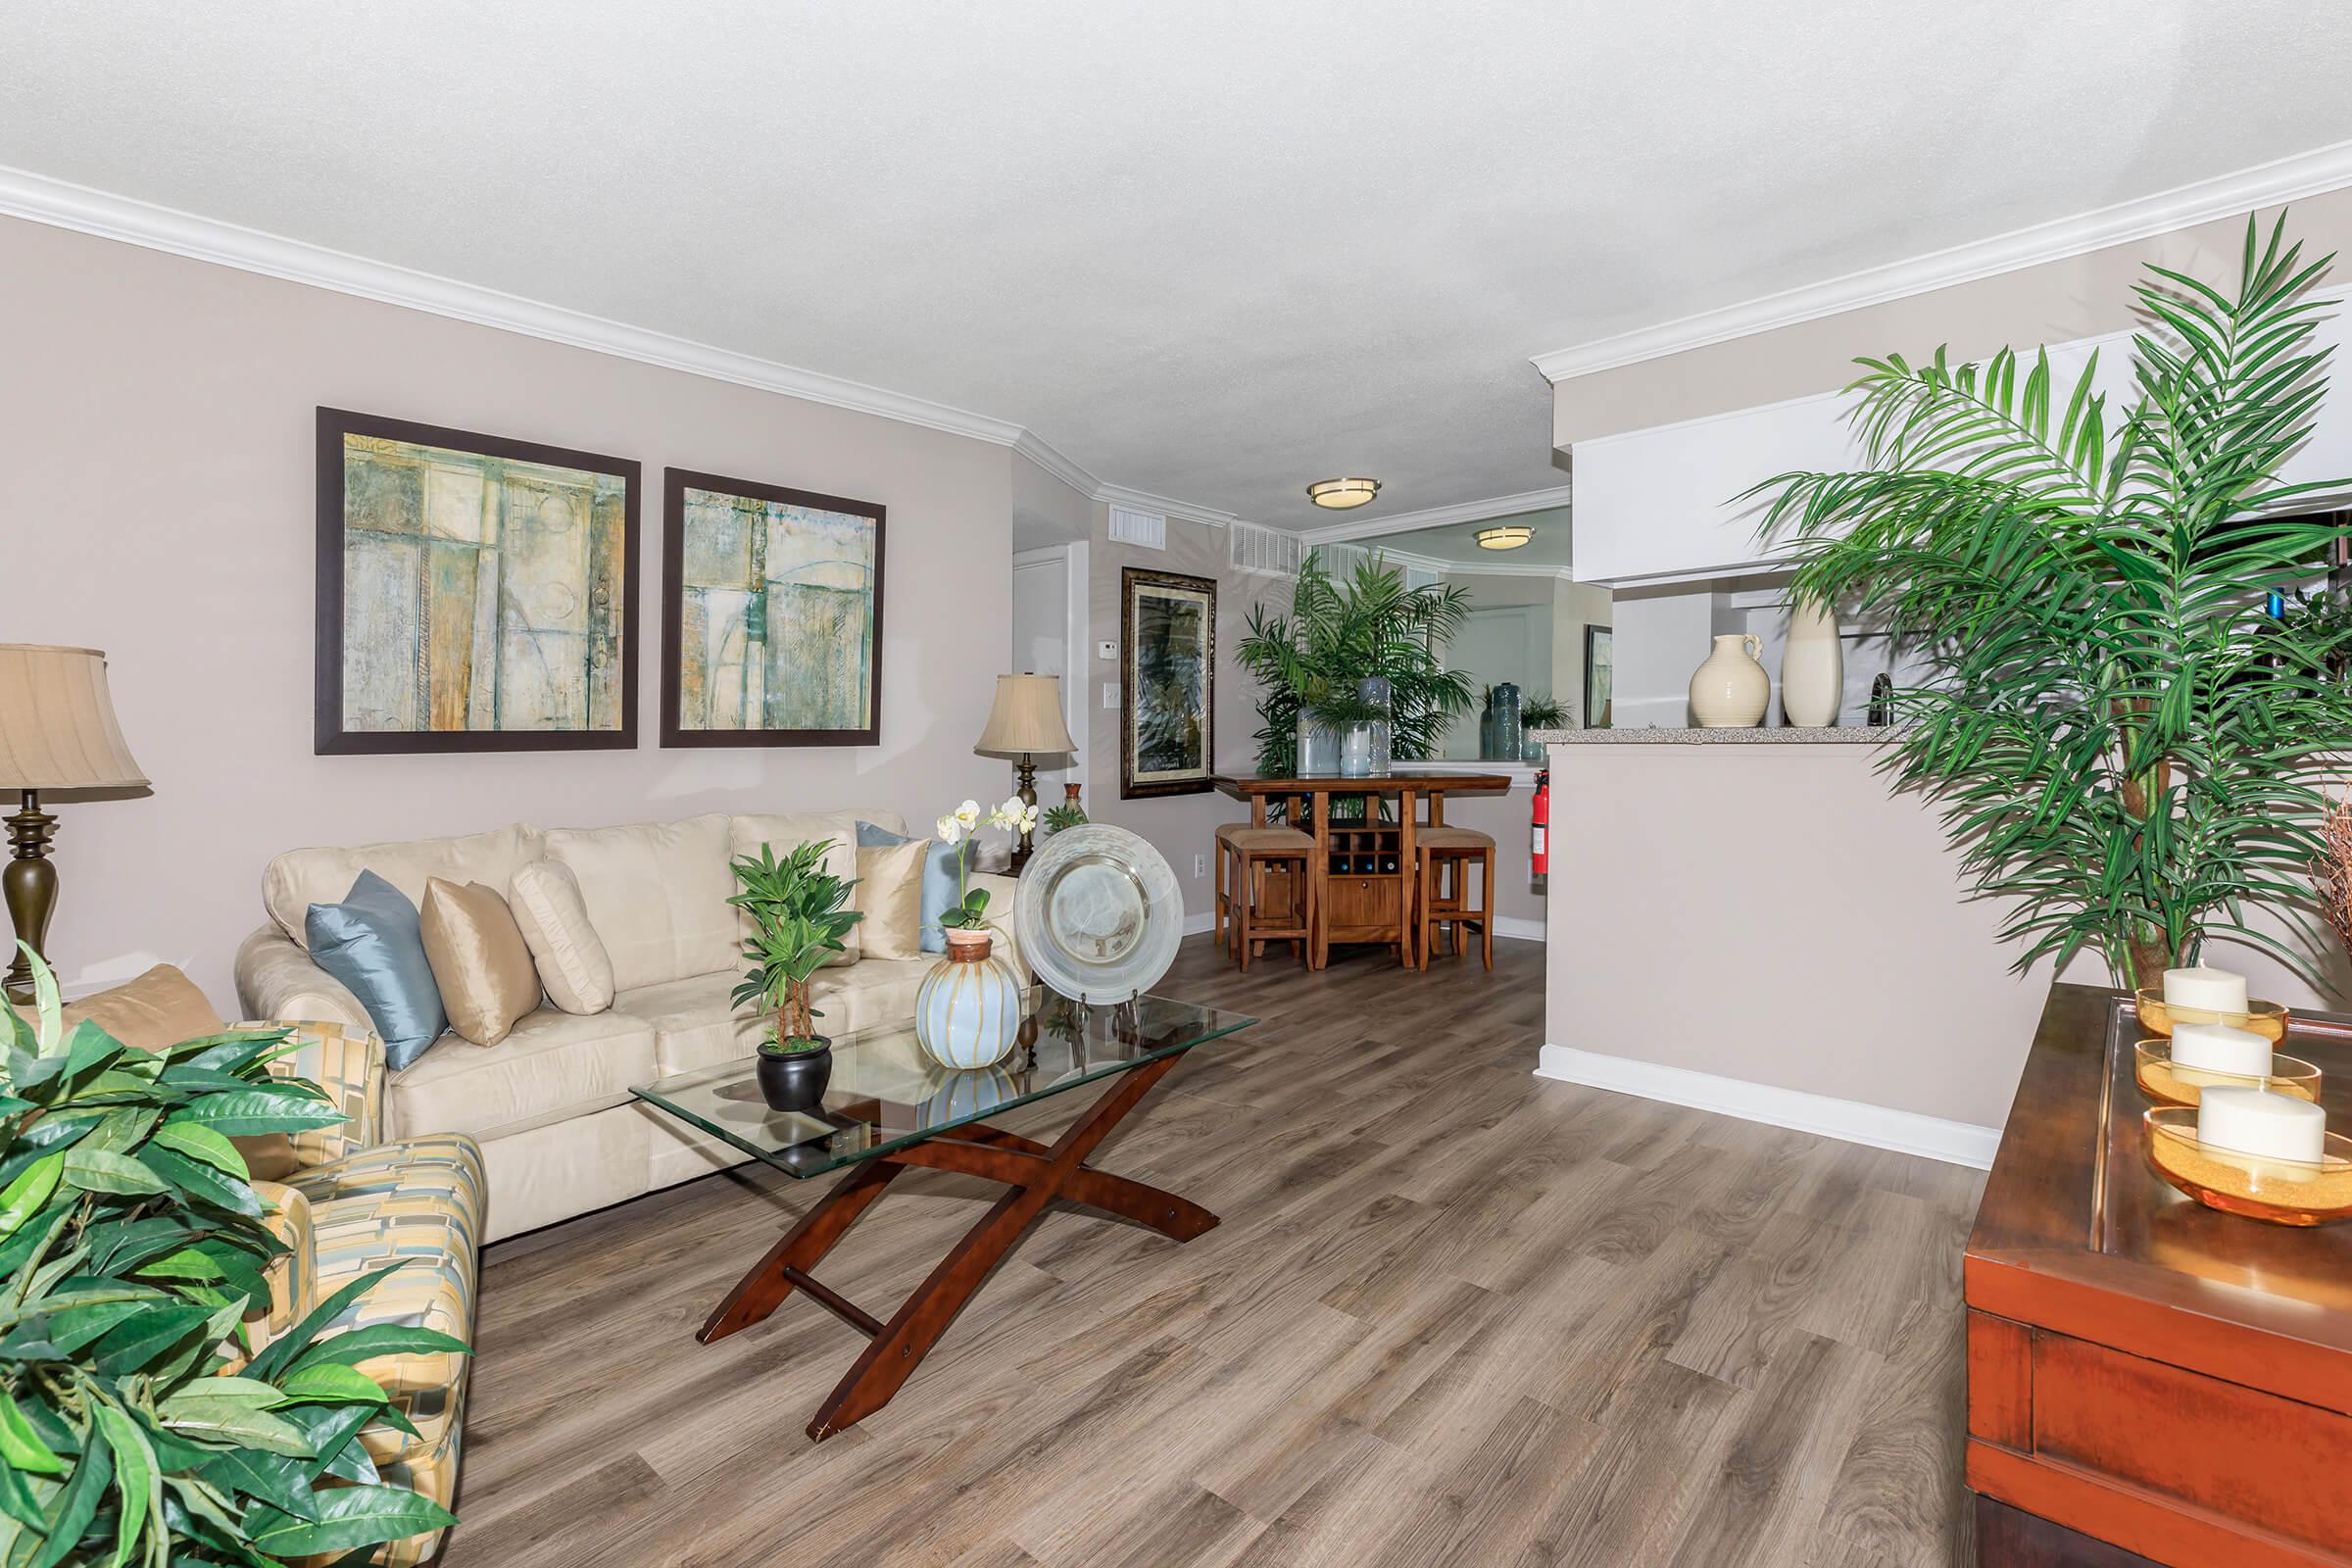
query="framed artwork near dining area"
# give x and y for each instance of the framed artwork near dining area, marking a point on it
(1167, 683)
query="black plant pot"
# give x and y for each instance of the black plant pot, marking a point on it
(795, 1080)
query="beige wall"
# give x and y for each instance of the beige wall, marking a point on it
(158, 503)
(2057, 302)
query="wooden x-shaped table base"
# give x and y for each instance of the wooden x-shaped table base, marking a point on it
(1035, 1173)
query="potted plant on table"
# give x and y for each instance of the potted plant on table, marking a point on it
(800, 914)
(1540, 711)
(138, 1423)
(2125, 743)
(967, 1012)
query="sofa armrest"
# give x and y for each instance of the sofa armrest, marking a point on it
(278, 981)
(351, 1068)
(999, 920)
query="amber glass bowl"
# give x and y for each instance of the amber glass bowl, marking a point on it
(2168, 1085)
(2283, 1191)
(2265, 1019)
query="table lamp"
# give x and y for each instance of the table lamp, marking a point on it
(57, 732)
(1025, 720)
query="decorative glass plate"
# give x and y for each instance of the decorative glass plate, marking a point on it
(2283, 1191)
(2265, 1019)
(1099, 914)
(2167, 1082)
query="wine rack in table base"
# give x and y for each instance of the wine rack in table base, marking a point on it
(1365, 895)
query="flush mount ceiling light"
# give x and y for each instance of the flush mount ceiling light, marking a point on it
(1341, 494)
(1508, 536)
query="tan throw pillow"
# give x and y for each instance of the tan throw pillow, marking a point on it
(545, 900)
(890, 891)
(479, 959)
(163, 1007)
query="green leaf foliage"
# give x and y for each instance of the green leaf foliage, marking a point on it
(1337, 632)
(132, 1248)
(2127, 751)
(800, 916)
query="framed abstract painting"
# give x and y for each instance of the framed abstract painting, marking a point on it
(474, 594)
(1168, 686)
(771, 615)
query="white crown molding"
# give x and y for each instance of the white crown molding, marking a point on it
(1508, 569)
(1357, 528)
(2287, 179)
(39, 199)
(1055, 462)
(1956, 1142)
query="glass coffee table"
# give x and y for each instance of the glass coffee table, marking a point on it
(888, 1107)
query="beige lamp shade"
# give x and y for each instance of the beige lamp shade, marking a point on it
(57, 723)
(1028, 718)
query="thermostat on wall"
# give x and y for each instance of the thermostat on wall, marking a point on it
(1106, 650)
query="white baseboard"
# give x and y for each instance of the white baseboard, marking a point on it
(1197, 924)
(1518, 927)
(1956, 1142)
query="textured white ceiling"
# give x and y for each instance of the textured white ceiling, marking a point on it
(1213, 250)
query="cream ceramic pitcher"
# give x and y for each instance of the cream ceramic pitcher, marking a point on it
(1730, 690)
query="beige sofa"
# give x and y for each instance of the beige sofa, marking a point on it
(550, 1105)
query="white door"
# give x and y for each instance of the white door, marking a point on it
(1049, 620)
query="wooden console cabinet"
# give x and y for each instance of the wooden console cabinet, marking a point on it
(2149, 1381)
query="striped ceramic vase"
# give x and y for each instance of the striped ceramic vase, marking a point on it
(967, 1012)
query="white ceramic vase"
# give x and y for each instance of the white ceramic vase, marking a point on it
(1730, 690)
(967, 1012)
(1812, 669)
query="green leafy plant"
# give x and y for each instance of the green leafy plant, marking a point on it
(2124, 746)
(1337, 633)
(1544, 712)
(133, 1248)
(1069, 814)
(800, 914)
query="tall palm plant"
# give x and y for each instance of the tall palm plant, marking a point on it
(2125, 746)
(1337, 632)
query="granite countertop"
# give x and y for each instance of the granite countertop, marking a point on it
(1754, 735)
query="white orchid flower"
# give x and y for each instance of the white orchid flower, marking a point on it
(968, 814)
(951, 830)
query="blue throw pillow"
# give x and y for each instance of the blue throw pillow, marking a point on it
(372, 942)
(939, 878)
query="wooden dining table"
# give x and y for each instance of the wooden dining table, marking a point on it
(1353, 883)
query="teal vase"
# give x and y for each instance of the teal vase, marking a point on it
(967, 1012)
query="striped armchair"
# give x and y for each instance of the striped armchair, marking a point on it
(352, 1205)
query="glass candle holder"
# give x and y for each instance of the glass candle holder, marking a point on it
(2265, 1019)
(2279, 1191)
(2168, 1084)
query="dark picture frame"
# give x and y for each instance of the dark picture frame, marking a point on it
(613, 674)
(674, 731)
(1600, 693)
(1137, 585)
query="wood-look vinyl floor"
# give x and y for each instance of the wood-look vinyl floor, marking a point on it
(1456, 1314)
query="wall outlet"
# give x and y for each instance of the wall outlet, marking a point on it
(1106, 650)
(1200, 865)
(1110, 694)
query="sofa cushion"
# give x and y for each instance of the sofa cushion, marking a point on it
(299, 878)
(695, 1025)
(551, 1066)
(373, 942)
(694, 1022)
(890, 894)
(656, 895)
(786, 832)
(545, 900)
(943, 876)
(480, 959)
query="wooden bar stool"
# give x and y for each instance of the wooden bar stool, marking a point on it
(1244, 922)
(1442, 890)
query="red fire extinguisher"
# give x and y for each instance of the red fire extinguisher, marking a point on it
(1540, 833)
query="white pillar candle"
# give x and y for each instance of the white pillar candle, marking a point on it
(2217, 1047)
(2253, 1121)
(2212, 990)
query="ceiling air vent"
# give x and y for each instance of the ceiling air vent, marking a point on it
(1264, 551)
(1148, 529)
